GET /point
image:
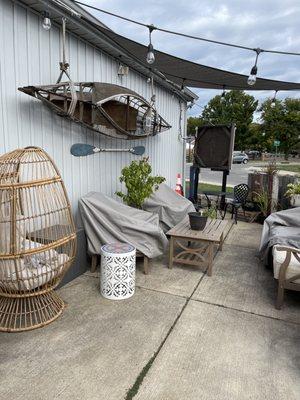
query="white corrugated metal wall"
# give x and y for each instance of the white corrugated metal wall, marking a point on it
(30, 55)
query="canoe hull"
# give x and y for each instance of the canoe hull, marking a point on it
(107, 109)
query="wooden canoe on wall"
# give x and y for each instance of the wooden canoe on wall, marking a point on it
(108, 109)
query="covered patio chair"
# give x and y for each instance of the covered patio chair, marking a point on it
(170, 207)
(106, 220)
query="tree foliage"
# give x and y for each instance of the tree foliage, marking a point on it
(192, 124)
(258, 139)
(282, 122)
(139, 182)
(234, 107)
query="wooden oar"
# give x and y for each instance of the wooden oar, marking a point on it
(82, 149)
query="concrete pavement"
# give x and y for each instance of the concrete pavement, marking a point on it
(182, 335)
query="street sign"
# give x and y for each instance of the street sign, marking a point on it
(276, 143)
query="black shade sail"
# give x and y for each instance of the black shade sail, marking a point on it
(191, 74)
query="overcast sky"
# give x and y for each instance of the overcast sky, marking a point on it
(268, 24)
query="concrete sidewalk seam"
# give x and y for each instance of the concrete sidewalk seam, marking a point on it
(132, 392)
(161, 291)
(245, 312)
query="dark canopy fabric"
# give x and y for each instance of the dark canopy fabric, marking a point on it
(190, 74)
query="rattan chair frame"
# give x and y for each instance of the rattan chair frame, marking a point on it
(37, 239)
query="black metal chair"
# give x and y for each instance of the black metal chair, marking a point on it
(240, 194)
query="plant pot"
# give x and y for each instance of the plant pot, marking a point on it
(295, 200)
(260, 219)
(197, 221)
(251, 206)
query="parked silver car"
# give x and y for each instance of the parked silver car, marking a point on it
(239, 157)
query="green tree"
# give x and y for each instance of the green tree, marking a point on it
(258, 139)
(192, 124)
(234, 107)
(282, 122)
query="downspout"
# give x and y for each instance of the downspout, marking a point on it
(183, 136)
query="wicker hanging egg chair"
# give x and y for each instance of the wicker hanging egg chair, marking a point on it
(37, 239)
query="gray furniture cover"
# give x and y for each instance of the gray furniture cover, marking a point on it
(170, 206)
(283, 228)
(106, 220)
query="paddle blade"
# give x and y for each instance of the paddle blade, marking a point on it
(82, 149)
(138, 150)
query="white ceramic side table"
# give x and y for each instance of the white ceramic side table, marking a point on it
(117, 277)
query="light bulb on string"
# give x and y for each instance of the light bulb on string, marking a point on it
(150, 55)
(273, 102)
(46, 23)
(252, 77)
(150, 52)
(223, 94)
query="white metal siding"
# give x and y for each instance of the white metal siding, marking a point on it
(30, 55)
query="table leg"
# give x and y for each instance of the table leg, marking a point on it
(210, 258)
(171, 252)
(146, 265)
(221, 242)
(94, 263)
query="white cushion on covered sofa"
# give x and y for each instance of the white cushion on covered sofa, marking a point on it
(279, 257)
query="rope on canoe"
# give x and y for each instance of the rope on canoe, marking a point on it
(64, 66)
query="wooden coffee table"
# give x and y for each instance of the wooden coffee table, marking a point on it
(201, 245)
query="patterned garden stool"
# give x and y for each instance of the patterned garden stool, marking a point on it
(117, 277)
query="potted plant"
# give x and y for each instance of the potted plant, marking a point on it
(293, 193)
(139, 182)
(210, 212)
(198, 219)
(263, 201)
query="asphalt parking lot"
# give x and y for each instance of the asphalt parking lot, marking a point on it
(238, 174)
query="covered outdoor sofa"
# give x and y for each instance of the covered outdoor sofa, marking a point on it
(106, 220)
(281, 239)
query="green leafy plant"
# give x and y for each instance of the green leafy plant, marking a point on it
(262, 200)
(293, 189)
(139, 182)
(210, 212)
(271, 168)
(265, 202)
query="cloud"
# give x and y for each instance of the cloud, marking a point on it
(255, 23)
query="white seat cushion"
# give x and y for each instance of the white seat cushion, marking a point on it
(279, 257)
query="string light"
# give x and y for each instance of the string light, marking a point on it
(151, 56)
(273, 102)
(223, 93)
(150, 52)
(252, 77)
(46, 24)
(185, 35)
